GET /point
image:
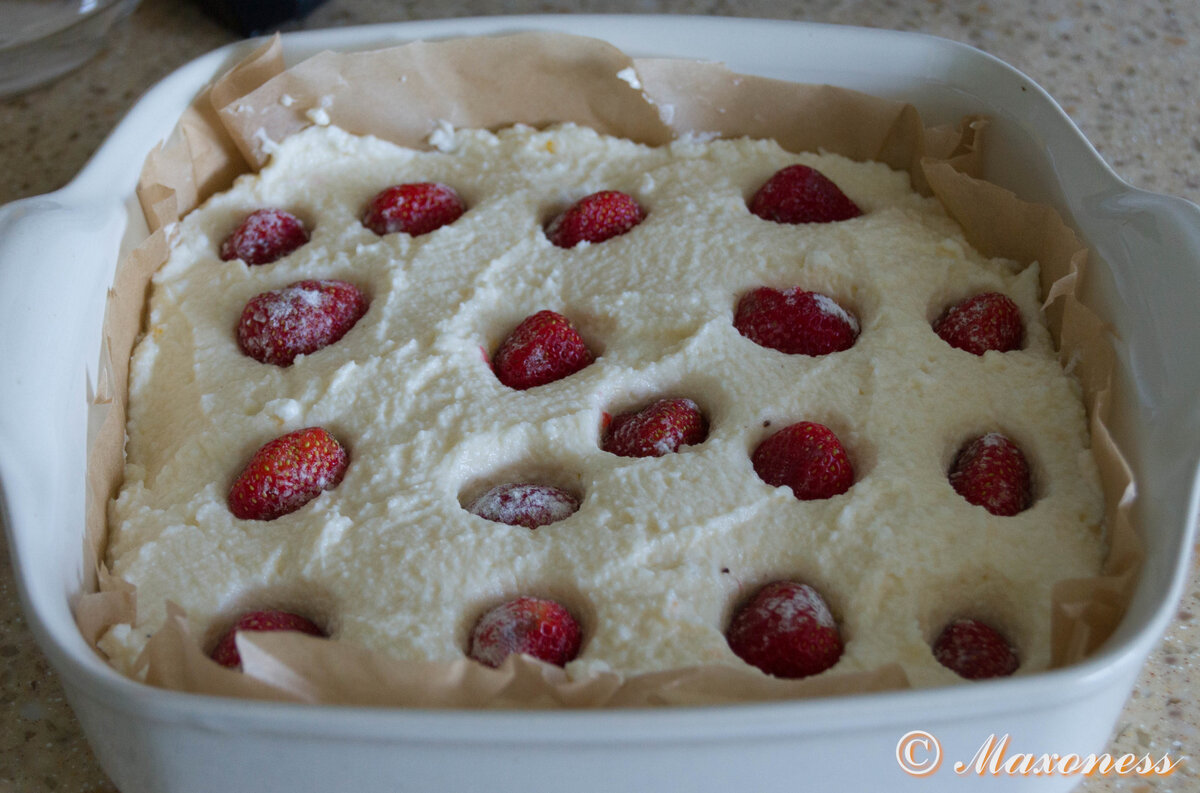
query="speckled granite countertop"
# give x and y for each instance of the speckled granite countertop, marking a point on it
(1125, 70)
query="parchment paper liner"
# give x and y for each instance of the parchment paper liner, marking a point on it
(401, 94)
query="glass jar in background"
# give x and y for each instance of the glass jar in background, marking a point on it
(43, 39)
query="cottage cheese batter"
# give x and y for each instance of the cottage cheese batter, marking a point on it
(661, 549)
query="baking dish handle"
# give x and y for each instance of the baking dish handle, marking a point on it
(50, 322)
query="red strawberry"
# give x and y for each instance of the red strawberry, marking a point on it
(525, 505)
(795, 321)
(264, 236)
(786, 630)
(595, 218)
(800, 194)
(808, 458)
(226, 652)
(975, 650)
(991, 471)
(541, 628)
(299, 319)
(545, 347)
(988, 321)
(416, 208)
(287, 473)
(660, 428)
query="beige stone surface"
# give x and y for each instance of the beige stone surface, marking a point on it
(1125, 70)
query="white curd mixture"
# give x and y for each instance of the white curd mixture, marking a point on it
(662, 549)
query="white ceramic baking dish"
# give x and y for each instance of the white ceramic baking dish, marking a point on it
(57, 256)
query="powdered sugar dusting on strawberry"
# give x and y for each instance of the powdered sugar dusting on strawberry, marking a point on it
(991, 471)
(663, 427)
(493, 636)
(664, 445)
(264, 236)
(294, 300)
(831, 307)
(528, 505)
(982, 323)
(540, 628)
(802, 602)
(278, 326)
(668, 443)
(795, 321)
(975, 650)
(786, 630)
(413, 208)
(313, 298)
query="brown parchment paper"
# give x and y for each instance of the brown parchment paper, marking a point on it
(402, 94)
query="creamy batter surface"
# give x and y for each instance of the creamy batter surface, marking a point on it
(662, 549)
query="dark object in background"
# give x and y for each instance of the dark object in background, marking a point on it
(252, 17)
